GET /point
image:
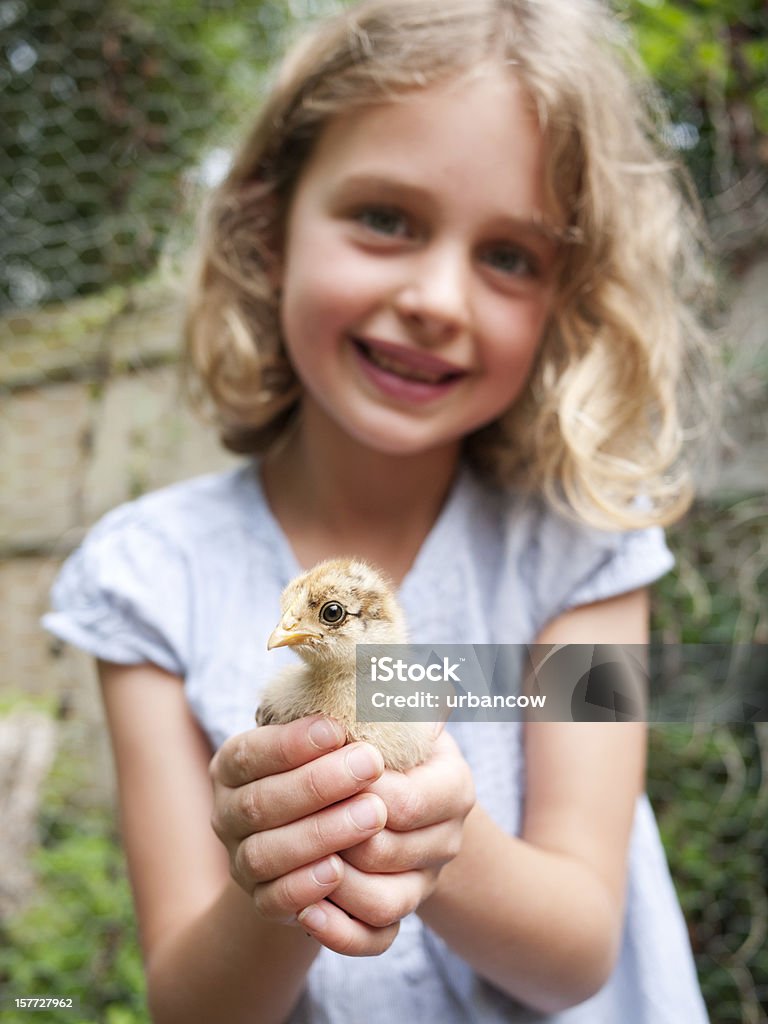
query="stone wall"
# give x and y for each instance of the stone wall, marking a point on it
(92, 414)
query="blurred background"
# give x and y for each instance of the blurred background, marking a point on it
(115, 119)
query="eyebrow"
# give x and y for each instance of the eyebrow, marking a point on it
(396, 188)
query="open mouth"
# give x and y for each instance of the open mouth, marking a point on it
(421, 369)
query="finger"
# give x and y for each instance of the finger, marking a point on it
(337, 931)
(379, 900)
(438, 790)
(269, 855)
(271, 749)
(277, 800)
(390, 852)
(282, 899)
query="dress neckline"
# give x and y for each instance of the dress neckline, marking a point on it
(434, 551)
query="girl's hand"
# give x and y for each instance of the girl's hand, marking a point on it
(284, 802)
(391, 874)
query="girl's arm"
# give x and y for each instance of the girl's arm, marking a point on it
(212, 951)
(541, 916)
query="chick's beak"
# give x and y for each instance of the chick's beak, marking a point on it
(281, 637)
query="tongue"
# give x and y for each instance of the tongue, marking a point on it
(392, 366)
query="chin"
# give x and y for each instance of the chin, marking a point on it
(402, 443)
(385, 431)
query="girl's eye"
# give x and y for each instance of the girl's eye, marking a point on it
(511, 260)
(383, 220)
(333, 613)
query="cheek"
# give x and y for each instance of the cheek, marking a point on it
(308, 305)
(517, 336)
(323, 278)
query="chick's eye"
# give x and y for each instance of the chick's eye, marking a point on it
(383, 220)
(333, 613)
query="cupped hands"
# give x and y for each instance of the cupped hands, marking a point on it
(319, 832)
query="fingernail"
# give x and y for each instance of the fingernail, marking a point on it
(364, 763)
(324, 734)
(313, 918)
(325, 872)
(366, 813)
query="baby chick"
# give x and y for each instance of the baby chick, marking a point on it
(325, 612)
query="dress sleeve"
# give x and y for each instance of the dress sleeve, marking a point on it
(574, 564)
(637, 559)
(123, 595)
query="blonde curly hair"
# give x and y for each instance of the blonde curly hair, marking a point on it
(598, 429)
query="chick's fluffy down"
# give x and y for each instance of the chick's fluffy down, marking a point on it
(325, 612)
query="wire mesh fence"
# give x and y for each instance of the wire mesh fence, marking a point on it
(116, 118)
(112, 114)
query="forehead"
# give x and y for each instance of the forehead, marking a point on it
(473, 140)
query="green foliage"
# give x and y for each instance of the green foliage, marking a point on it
(709, 58)
(717, 593)
(707, 790)
(708, 784)
(78, 936)
(107, 108)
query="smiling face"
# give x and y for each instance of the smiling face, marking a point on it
(419, 265)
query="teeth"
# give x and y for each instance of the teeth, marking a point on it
(394, 366)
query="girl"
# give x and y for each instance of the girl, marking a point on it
(441, 297)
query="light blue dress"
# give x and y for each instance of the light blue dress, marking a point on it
(190, 578)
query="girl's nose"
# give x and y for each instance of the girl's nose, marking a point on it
(433, 297)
